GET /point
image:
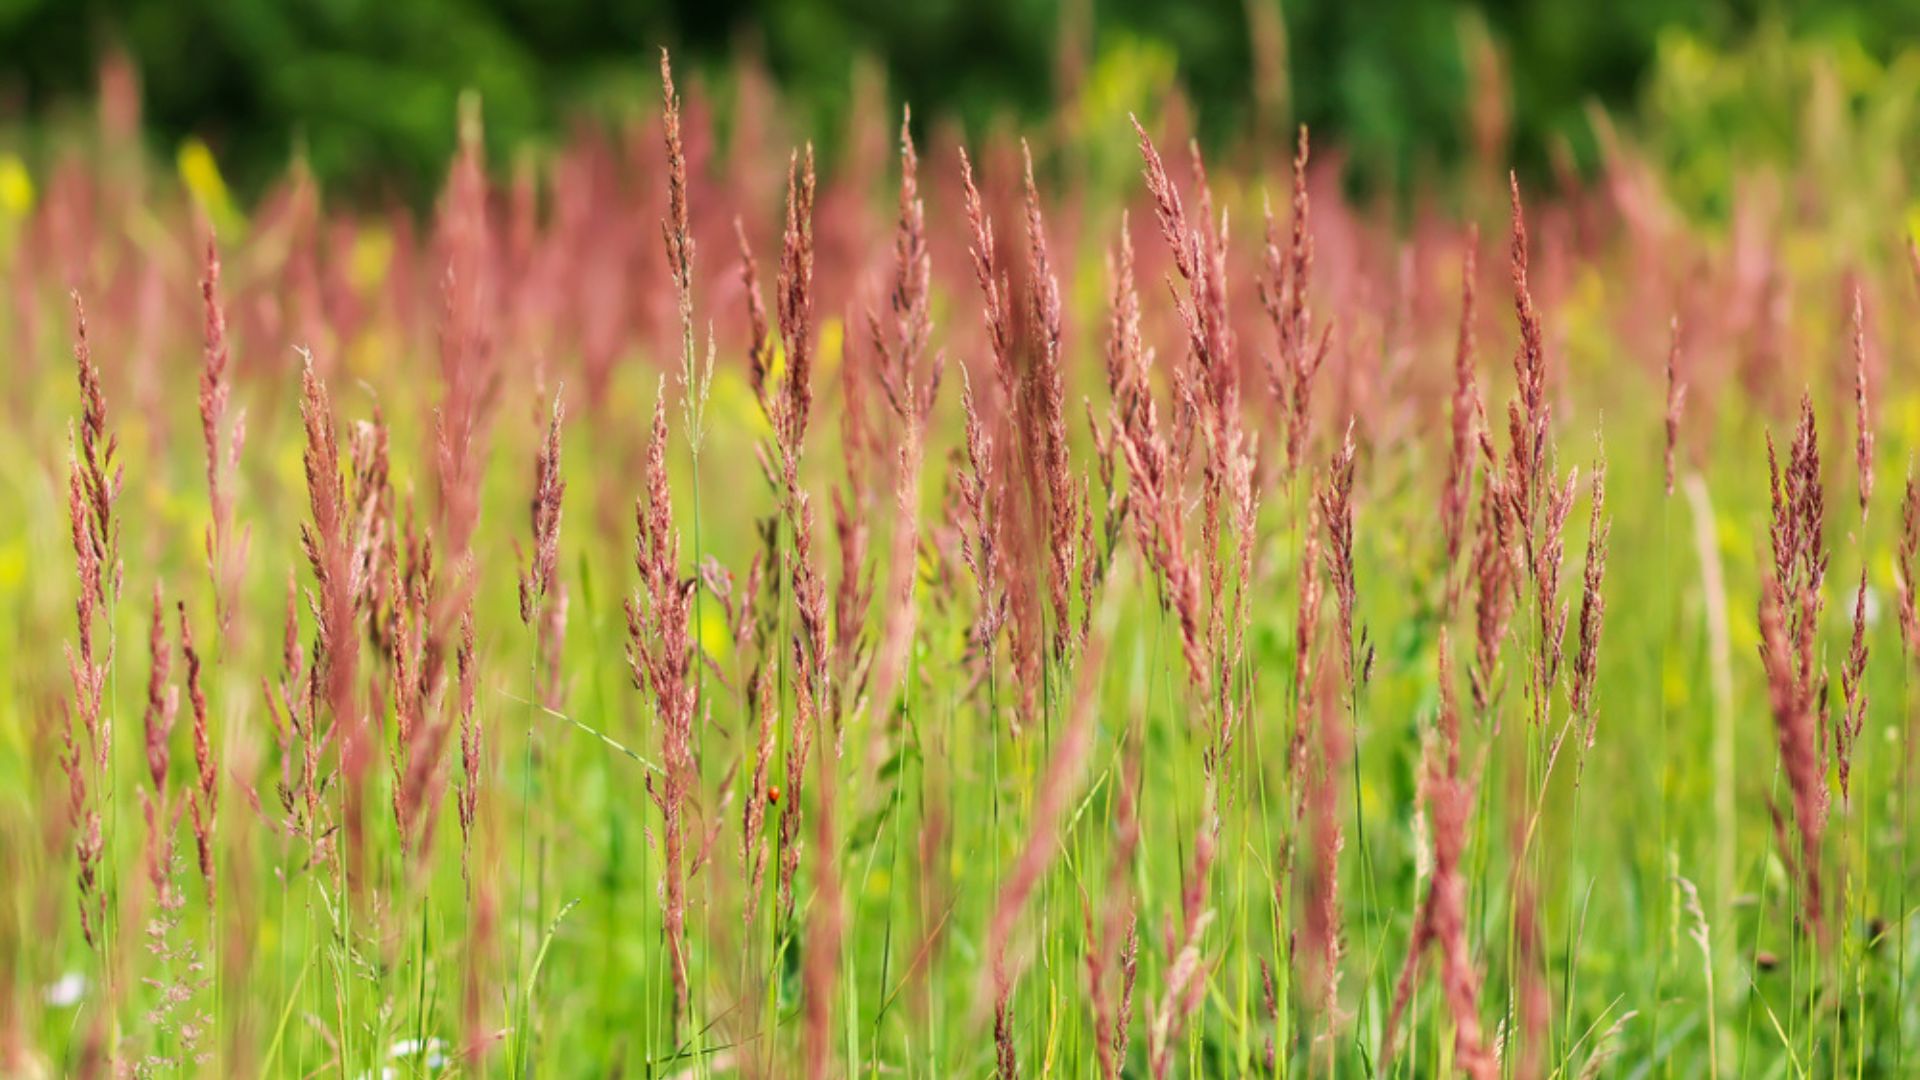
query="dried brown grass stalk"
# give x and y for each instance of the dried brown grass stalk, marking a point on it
(794, 311)
(468, 371)
(812, 646)
(1495, 579)
(472, 744)
(759, 337)
(1006, 1061)
(293, 708)
(676, 231)
(1795, 728)
(1794, 593)
(1863, 421)
(996, 313)
(204, 796)
(811, 653)
(1306, 661)
(537, 579)
(1045, 399)
(1593, 605)
(1211, 392)
(660, 652)
(1441, 919)
(1324, 938)
(89, 845)
(853, 509)
(1538, 500)
(93, 487)
(900, 343)
(419, 765)
(1200, 258)
(1335, 499)
(330, 555)
(765, 706)
(1154, 496)
(99, 473)
(1457, 496)
(1909, 551)
(226, 553)
(978, 489)
(1530, 414)
(1021, 340)
(156, 723)
(543, 595)
(1676, 396)
(1228, 648)
(1129, 361)
(1284, 294)
(1853, 691)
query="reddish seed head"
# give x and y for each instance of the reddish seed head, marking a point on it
(1863, 424)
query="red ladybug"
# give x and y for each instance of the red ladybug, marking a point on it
(773, 795)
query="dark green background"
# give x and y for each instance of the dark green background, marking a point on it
(368, 86)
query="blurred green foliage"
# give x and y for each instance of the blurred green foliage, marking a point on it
(1848, 117)
(368, 87)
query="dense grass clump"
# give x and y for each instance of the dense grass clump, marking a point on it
(988, 626)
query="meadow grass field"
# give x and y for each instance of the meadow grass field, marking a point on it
(684, 609)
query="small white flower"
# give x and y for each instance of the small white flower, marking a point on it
(66, 990)
(406, 1048)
